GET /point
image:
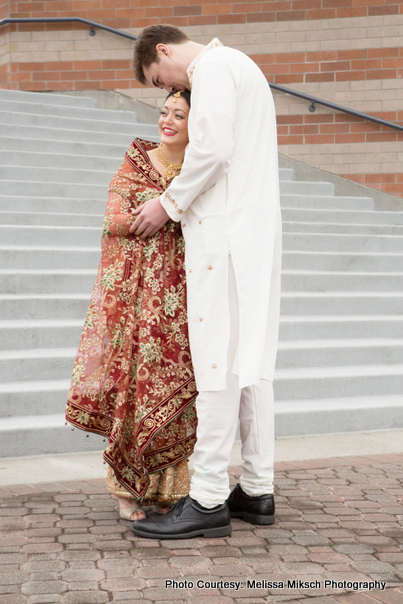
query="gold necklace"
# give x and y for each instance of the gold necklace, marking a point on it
(172, 170)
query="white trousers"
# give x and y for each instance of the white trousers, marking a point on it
(218, 413)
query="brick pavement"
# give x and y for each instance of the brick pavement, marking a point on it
(338, 520)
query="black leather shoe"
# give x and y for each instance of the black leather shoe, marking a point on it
(256, 510)
(186, 519)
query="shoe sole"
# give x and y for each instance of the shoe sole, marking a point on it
(254, 518)
(222, 531)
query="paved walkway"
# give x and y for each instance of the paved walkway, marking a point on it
(338, 539)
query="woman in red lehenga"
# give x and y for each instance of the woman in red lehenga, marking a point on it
(133, 379)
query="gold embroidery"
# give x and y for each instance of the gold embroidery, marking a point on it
(132, 380)
(175, 205)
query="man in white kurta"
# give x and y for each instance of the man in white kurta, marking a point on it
(227, 200)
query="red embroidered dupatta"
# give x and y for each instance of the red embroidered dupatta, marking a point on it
(133, 378)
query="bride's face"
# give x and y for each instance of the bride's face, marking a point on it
(173, 122)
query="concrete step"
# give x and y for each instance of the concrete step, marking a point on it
(313, 197)
(48, 160)
(48, 333)
(346, 281)
(65, 183)
(346, 243)
(47, 99)
(56, 189)
(65, 174)
(44, 435)
(338, 353)
(348, 414)
(43, 306)
(36, 333)
(33, 398)
(38, 257)
(313, 383)
(46, 281)
(349, 217)
(51, 219)
(286, 174)
(343, 327)
(37, 174)
(341, 303)
(56, 204)
(40, 363)
(66, 122)
(62, 135)
(50, 145)
(342, 261)
(66, 111)
(74, 305)
(81, 280)
(342, 229)
(58, 236)
(57, 363)
(296, 189)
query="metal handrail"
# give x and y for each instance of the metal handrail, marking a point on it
(92, 24)
(315, 100)
(312, 99)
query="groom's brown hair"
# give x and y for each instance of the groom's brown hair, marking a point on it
(145, 51)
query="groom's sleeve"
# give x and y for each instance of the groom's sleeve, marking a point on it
(211, 128)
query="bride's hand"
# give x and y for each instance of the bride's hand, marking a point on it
(151, 216)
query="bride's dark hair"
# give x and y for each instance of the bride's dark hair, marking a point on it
(185, 94)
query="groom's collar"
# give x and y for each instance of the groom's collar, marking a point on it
(189, 72)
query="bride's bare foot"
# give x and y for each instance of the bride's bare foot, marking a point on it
(130, 509)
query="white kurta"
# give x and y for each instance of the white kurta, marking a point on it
(227, 199)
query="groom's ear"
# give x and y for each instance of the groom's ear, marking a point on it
(163, 49)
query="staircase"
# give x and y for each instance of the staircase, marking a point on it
(340, 362)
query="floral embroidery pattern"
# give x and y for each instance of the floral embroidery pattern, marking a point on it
(175, 205)
(133, 379)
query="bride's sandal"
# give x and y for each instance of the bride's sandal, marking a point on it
(127, 513)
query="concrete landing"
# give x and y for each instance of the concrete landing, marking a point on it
(86, 466)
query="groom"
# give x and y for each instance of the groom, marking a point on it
(227, 200)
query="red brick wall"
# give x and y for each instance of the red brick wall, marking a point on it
(71, 75)
(4, 9)
(334, 66)
(344, 67)
(139, 13)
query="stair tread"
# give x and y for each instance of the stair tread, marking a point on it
(26, 323)
(31, 422)
(338, 318)
(37, 353)
(34, 386)
(48, 271)
(338, 371)
(290, 406)
(341, 343)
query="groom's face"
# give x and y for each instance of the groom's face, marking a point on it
(167, 73)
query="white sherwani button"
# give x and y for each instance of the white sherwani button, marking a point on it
(214, 366)
(210, 268)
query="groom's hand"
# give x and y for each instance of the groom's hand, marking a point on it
(151, 216)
